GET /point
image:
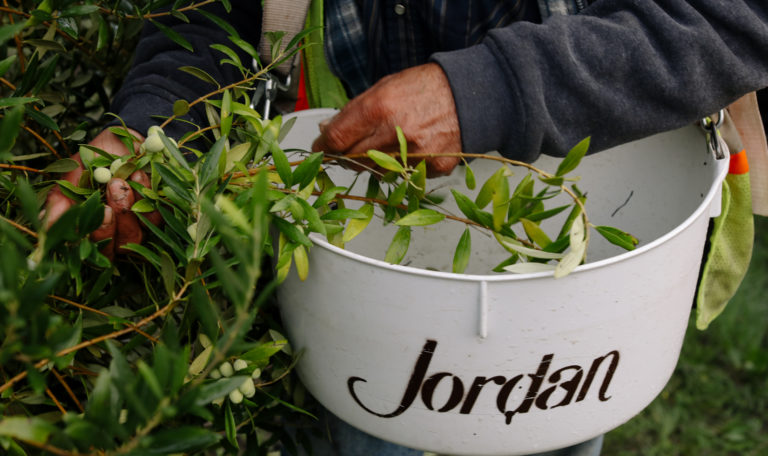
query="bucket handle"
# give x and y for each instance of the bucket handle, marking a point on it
(482, 310)
(715, 143)
(717, 147)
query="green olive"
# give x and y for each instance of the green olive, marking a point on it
(154, 144)
(102, 175)
(236, 397)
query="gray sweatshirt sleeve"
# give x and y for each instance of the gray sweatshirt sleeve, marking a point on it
(155, 82)
(621, 70)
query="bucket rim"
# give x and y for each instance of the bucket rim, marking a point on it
(719, 174)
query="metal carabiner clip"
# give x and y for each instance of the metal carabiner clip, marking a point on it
(268, 87)
(714, 142)
(272, 86)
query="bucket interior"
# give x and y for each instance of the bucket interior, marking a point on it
(646, 188)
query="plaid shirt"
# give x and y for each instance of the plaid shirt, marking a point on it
(368, 39)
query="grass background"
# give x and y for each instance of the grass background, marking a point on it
(716, 402)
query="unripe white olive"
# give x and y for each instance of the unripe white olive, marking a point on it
(247, 388)
(256, 373)
(116, 164)
(154, 130)
(226, 369)
(204, 340)
(192, 231)
(239, 365)
(102, 175)
(215, 374)
(153, 144)
(236, 397)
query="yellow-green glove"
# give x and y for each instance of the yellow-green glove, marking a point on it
(730, 244)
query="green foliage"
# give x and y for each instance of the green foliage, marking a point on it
(120, 357)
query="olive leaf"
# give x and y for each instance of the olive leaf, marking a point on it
(281, 164)
(462, 252)
(515, 246)
(200, 74)
(30, 429)
(209, 170)
(421, 217)
(143, 205)
(173, 36)
(356, 226)
(314, 222)
(500, 199)
(469, 177)
(572, 160)
(230, 426)
(385, 161)
(578, 249)
(535, 233)
(302, 262)
(343, 214)
(398, 194)
(307, 170)
(471, 211)
(403, 143)
(399, 245)
(618, 237)
(61, 166)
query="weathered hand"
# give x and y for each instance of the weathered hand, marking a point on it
(418, 100)
(120, 224)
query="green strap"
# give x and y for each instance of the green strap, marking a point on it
(731, 242)
(324, 90)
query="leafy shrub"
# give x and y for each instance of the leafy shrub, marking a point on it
(119, 357)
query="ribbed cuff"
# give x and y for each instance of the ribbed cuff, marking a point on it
(489, 112)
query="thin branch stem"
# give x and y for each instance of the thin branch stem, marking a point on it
(113, 335)
(153, 422)
(19, 227)
(56, 401)
(197, 134)
(80, 44)
(68, 389)
(258, 75)
(247, 80)
(99, 312)
(20, 168)
(508, 161)
(7, 83)
(41, 139)
(48, 448)
(58, 136)
(154, 15)
(16, 37)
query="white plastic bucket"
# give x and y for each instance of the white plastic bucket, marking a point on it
(504, 364)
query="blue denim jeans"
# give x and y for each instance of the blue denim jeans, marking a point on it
(350, 441)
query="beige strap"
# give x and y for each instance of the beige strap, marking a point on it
(286, 16)
(746, 116)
